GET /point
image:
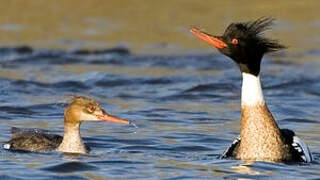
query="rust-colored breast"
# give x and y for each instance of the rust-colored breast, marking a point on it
(260, 136)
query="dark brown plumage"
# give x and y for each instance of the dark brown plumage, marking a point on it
(33, 140)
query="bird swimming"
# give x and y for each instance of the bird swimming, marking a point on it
(260, 138)
(80, 109)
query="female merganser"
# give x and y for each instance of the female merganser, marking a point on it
(260, 138)
(80, 109)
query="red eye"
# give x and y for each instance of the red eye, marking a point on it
(234, 41)
(91, 108)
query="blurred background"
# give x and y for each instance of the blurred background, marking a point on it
(149, 26)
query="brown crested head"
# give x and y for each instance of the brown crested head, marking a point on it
(86, 109)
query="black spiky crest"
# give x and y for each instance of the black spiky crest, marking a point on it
(251, 44)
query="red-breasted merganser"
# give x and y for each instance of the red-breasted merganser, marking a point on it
(260, 138)
(80, 109)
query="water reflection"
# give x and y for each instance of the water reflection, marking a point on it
(246, 169)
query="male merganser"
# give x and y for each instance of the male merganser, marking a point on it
(260, 138)
(80, 109)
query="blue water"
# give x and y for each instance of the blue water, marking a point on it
(186, 111)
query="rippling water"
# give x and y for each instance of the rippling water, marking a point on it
(186, 109)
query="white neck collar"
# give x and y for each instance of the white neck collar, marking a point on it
(251, 92)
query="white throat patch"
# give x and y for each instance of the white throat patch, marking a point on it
(251, 92)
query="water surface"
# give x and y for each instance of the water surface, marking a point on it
(185, 107)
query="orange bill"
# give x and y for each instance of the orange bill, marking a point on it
(212, 40)
(111, 118)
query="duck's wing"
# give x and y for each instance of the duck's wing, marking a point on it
(230, 151)
(35, 140)
(299, 148)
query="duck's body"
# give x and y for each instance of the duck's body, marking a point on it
(298, 150)
(81, 109)
(260, 137)
(33, 140)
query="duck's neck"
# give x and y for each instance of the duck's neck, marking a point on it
(251, 93)
(72, 141)
(260, 136)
